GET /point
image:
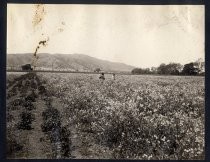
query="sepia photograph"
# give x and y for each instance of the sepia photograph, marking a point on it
(93, 81)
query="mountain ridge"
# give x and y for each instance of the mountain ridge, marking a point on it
(75, 62)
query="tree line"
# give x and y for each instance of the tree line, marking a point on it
(192, 68)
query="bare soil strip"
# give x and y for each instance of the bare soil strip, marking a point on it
(34, 129)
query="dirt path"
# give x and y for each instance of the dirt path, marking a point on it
(76, 144)
(39, 143)
(26, 137)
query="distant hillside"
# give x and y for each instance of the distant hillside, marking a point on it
(74, 62)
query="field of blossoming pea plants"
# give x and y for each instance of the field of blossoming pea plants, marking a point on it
(132, 117)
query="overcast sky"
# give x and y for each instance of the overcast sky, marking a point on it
(137, 35)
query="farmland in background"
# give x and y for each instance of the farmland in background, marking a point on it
(78, 116)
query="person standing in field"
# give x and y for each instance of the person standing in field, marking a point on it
(102, 77)
(113, 76)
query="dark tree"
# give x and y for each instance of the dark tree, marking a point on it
(162, 69)
(173, 68)
(169, 69)
(190, 69)
(141, 71)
